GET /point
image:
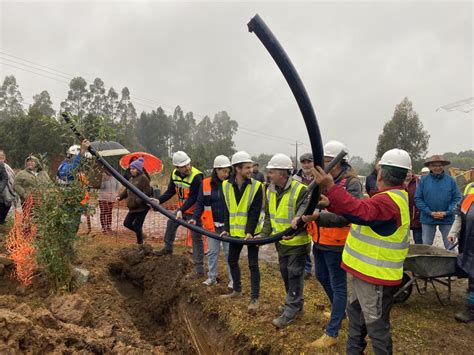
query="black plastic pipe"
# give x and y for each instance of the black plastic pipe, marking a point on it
(262, 31)
(265, 35)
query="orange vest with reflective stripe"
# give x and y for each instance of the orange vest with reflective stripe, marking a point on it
(328, 236)
(84, 182)
(206, 217)
(468, 198)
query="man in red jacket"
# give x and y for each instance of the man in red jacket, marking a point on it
(375, 249)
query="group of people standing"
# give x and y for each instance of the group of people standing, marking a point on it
(367, 238)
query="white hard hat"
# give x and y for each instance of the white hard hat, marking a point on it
(74, 149)
(241, 157)
(221, 161)
(180, 159)
(398, 158)
(333, 148)
(280, 161)
(425, 170)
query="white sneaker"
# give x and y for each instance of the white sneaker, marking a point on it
(230, 285)
(209, 282)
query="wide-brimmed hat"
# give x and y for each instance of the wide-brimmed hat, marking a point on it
(437, 159)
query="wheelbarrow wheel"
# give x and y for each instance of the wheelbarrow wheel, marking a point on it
(403, 291)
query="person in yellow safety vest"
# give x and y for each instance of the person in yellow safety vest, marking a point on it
(185, 182)
(286, 202)
(211, 210)
(243, 197)
(329, 233)
(463, 230)
(375, 249)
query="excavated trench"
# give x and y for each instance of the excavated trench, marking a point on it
(155, 297)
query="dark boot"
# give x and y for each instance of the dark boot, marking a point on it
(467, 315)
(163, 251)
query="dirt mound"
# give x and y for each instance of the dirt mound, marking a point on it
(124, 307)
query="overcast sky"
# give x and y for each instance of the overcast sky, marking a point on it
(357, 60)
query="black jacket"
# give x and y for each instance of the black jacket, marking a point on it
(254, 211)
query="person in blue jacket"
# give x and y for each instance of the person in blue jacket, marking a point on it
(436, 196)
(65, 174)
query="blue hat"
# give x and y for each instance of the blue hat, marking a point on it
(138, 164)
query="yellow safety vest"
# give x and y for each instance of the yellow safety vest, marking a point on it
(282, 216)
(238, 214)
(469, 189)
(377, 256)
(182, 186)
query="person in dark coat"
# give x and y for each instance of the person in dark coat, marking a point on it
(371, 181)
(137, 208)
(411, 183)
(463, 230)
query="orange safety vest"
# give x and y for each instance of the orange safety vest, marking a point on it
(328, 236)
(206, 217)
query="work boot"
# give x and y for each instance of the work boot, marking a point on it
(233, 294)
(163, 251)
(209, 282)
(466, 315)
(253, 306)
(325, 341)
(282, 321)
(281, 309)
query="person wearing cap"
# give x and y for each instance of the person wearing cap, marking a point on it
(137, 208)
(185, 182)
(375, 249)
(329, 233)
(257, 174)
(286, 202)
(305, 176)
(463, 231)
(425, 171)
(210, 209)
(436, 196)
(243, 197)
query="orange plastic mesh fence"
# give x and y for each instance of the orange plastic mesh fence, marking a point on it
(20, 246)
(107, 216)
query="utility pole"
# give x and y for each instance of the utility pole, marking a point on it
(296, 155)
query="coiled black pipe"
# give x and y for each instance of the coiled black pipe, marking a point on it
(257, 26)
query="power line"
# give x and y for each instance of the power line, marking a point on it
(145, 101)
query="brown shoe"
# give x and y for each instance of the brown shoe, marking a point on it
(253, 306)
(325, 341)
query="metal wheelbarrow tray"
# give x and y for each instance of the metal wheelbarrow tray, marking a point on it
(427, 264)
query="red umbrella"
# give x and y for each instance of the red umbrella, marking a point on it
(151, 164)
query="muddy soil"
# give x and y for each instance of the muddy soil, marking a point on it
(138, 303)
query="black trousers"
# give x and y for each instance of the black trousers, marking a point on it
(3, 212)
(134, 221)
(234, 255)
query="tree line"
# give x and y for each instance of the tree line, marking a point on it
(103, 114)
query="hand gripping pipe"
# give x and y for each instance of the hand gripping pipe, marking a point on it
(257, 26)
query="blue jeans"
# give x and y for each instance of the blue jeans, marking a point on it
(417, 235)
(334, 281)
(429, 230)
(214, 247)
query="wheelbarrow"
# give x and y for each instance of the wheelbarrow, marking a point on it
(426, 264)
